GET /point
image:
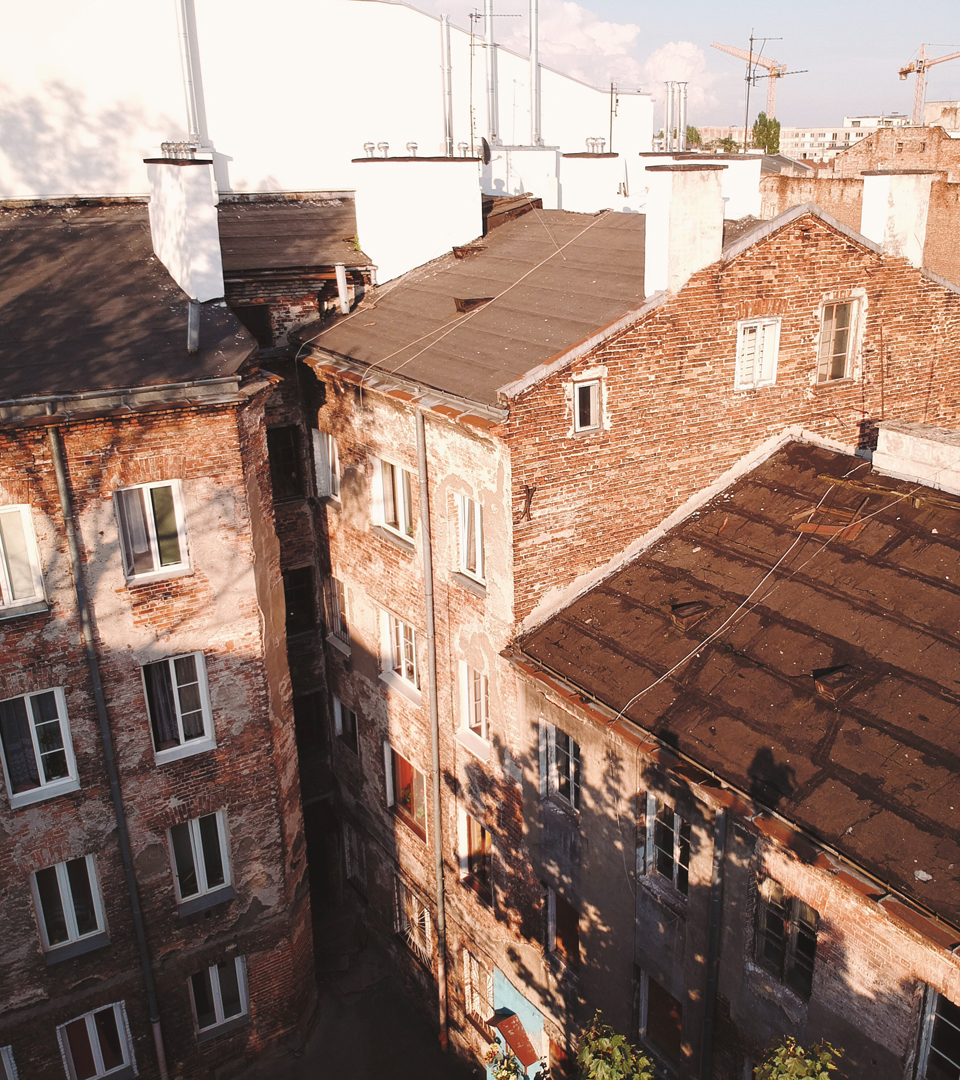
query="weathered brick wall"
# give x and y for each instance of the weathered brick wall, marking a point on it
(225, 607)
(841, 197)
(902, 148)
(676, 422)
(941, 252)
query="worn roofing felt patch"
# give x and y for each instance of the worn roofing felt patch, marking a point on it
(556, 299)
(833, 693)
(86, 305)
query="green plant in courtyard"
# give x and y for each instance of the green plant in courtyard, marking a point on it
(788, 1060)
(605, 1055)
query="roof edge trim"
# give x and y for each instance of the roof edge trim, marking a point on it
(762, 232)
(567, 356)
(556, 599)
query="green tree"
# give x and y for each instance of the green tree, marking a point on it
(605, 1055)
(788, 1060)
(693, 136)
(766, 134)
(728, 145)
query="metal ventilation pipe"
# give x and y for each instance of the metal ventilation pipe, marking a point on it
(668, 117)
(343, 294)
(493, 107)
(536, 138)
(682, 116)
(447, 85)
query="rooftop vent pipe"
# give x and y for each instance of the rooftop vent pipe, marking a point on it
(368, 148)
(493, 107)
(384, 148)
(342, 294)
(681, 115)
(668, 117)
(191, 74)
(193, 328)
(447, 85)
(536, 137)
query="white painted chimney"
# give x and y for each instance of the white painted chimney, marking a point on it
(916, 452)
(894, 211)
(684, 228)
(184, 226)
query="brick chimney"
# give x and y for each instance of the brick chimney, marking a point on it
(684, 228)
(894, 213)
(184, 226)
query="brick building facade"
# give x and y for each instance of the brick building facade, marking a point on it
(154, 873)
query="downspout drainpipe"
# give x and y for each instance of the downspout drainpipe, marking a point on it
(713, 946)
(86, 634)
(434, 724)
(447, 86)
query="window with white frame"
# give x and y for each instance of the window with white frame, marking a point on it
(758, 346)
(477, 992)
(355, 858)
(97, 1044)
(21, 581)
(393, 501)
(152, 533)
(179, 705)
(406, 790)
(67, 898)
(200, 856)
(668, 844)
(413, 922)
(837, 336)
(470, 517)
(219, 994)
(401, 650)
(786, 937)
(476, 856)
(326, 462)
(38, 760)
(474, 701)
(586, 405)
(345, 724)
(336, 601)
(939, 1057)
(559, 765)
(8, 1067)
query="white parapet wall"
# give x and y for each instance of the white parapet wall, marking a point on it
(412, 210)
(684, 228)
(184, 226)
(592, 182)
(520, 170)
(919, 453)
(740, 180)
(894, 211)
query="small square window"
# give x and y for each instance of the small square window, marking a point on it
(179, 706)
(586, 406)
(393, 500)
(21, 581)
(299, 600)
(345, 724)
(758, 347)
(201, 862)
(406, 791)
(413, 922)
(786, 937)
(152, 533)
(38, 760)
(219, 994)
(837, 336)
(97, 1044)
(471, 537)
(326, 463)
(668, 844)
(283, 452)
(67, 898)
(476, 856)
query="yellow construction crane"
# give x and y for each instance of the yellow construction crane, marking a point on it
(919, 66)
(775, 70)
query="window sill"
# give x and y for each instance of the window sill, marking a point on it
(754, 386)
(339, 644)
(470, 584)
(482, 1028)
(75, 948)
(176, 753)
(559, 804)
(205, 902)
(125, 1073)
(769, 984)
(351, 746)
(405, 544)
(31, 607)
(159, 575)
(416, 829)
(471, 741)
(39, 794)
(288, 499)
(829, 384)
(225, 1028)
(398, 683)
(482, 892)
(666, 893)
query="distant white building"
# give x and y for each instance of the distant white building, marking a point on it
(824, 142)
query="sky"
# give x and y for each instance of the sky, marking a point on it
(849, 51)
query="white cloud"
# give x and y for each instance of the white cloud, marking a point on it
(682, 61)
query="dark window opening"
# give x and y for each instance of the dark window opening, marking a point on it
(479, 859)
(308, 716)
(664, 1021)
(299, 600)
(256, 319)
(567, 932)
(943, 1058)
(786, 938)
(283, 450)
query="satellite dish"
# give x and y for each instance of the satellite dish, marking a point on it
(485, 151)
